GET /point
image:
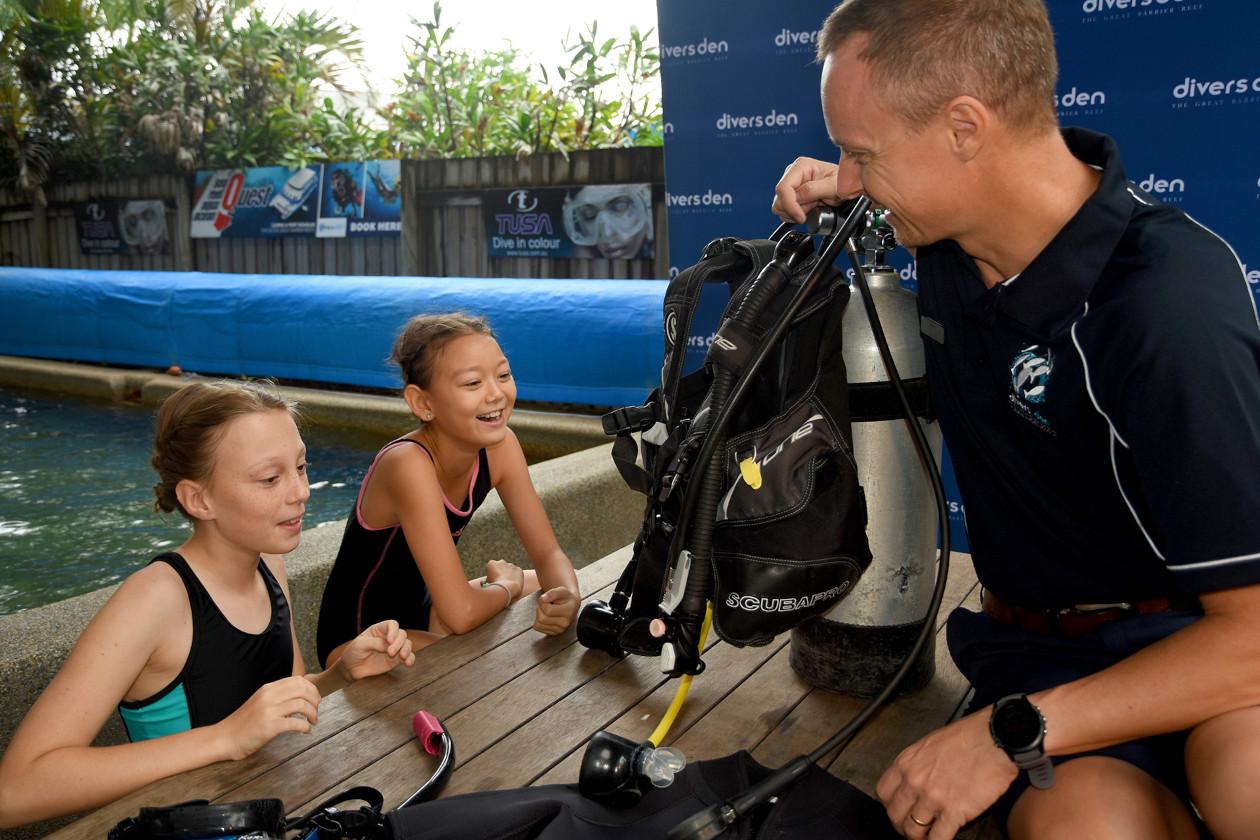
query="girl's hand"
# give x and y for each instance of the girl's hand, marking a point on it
(287, 705)
(378, 649)
(508, 573)
(556, 610)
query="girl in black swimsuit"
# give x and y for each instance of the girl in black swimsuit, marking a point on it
(398, 558)
(198, 649)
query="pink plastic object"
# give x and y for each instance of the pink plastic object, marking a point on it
(429, 731)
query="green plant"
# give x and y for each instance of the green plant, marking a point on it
(111, 88)
(458, 103)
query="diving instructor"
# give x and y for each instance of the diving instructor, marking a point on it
(1093, 359)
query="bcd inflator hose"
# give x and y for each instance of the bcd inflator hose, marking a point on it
(713, 821)
(737, 357)
(729, 353)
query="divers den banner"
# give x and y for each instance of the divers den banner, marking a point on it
(1176, 82)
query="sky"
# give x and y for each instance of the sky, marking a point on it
(536, 28)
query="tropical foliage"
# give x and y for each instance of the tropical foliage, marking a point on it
(457, 103)
(112, 88)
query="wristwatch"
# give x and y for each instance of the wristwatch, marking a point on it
(1019, 730)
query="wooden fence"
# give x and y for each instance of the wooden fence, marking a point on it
(443, 232)
(47, 235)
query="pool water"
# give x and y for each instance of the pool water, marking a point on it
(76, 493)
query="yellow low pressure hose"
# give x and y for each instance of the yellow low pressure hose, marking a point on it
(684, 683)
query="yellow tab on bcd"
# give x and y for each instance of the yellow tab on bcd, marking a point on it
(751, 472)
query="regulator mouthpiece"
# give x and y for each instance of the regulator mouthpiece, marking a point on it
(659, 765)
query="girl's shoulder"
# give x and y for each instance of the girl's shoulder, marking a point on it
(402, 475)
(145, 605)
(505, 458)
(158, 579)
(403, 455)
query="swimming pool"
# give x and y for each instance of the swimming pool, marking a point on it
(76, 497)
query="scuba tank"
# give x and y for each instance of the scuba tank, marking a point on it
(856, 646)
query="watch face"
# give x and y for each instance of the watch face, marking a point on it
(1017, 724)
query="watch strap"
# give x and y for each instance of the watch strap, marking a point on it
(1038, 765)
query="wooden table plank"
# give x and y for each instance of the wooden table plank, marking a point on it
(521, 707)
(471, 703)
(531, 749)
(726, 666)
(236, 780)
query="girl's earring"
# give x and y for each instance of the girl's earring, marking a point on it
(428, 417)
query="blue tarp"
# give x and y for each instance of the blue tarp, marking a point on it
(593, 342)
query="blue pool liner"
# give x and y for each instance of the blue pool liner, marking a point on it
(592, 342)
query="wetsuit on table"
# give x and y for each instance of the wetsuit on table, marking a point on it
(375, 576)
(225, 665)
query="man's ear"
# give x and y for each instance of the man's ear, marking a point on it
(192, 496)
(418, 402)
(969, 122)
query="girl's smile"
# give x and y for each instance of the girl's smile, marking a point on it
(494, 417)
(471, 393)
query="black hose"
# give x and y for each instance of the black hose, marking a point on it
(700, 503)
(714, 820)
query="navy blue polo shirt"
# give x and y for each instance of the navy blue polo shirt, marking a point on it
(1102, 408)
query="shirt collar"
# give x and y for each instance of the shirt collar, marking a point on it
(1050, 291)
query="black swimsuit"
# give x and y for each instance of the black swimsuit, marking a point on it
(375, 576)
(225, 665)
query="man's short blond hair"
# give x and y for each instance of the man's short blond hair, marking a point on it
(923, 53)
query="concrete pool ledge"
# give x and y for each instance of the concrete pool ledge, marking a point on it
(591, 510)
(549, 434)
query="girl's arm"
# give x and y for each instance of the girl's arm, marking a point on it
(376, 650)
(50, 767)
(560, 601)
(406, 483)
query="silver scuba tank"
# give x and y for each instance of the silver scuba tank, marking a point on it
(856, 647)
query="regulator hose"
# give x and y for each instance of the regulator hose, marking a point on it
(714, 820)
(731, 382)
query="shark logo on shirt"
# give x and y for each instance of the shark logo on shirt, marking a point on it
(1030, 377)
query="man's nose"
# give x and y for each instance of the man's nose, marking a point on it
(848, 180)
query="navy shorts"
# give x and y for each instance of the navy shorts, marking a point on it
(999, 660)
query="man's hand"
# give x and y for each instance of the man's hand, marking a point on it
(945, 779)
(805, 184)
(556, 610)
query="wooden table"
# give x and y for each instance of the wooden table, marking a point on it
(520, 707)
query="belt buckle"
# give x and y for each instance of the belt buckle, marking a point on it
(1089, 616)
(1093, 609)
